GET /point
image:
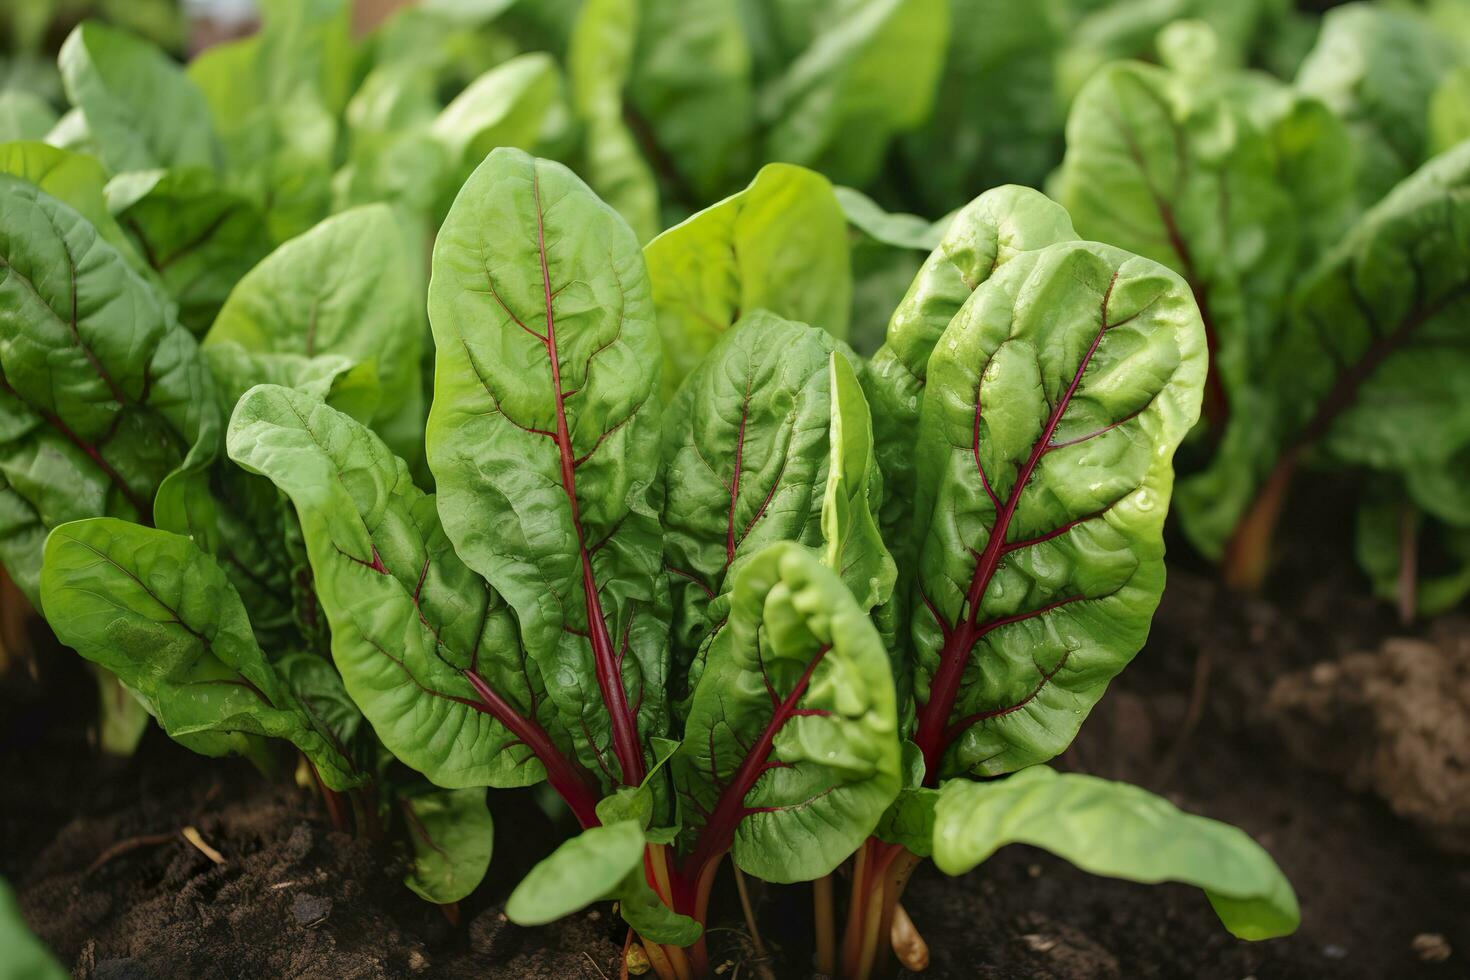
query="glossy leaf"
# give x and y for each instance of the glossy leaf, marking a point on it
(1375, 348)
(413, 629)
(868, 74)
(1378, 69)
(991, 231)
(104, 395)
(791, 750)
(853, 545)
(599, 63)
(1055, 400)
(1119, 831)
(140, 108)
(543, 438)
(745, 444)
(778, 245)
(198, 237)
(342, 288)
(452, 835)
(74, 179)
(344, 384)
(158, 612)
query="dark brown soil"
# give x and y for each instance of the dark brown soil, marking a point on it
(294, 899)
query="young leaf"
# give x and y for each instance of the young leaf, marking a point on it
(1055, 400)
(853, 544)
(425, 648)
(26, 958)
(158, 612)
(452, 834)
(1119, 831)
(790, 752)
(779, 245)
(346, 385)
(1409, 556)
(198, 237)
(543, 438)
(745, 443)
(989, 232)
(1375, 347)
(140, 108)
(599, 63)
(583, 870)
(341, 289)
(24, 116)
(507, 106)
(102, 393)
(868, 74)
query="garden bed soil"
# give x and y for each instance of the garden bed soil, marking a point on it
(1381, 897)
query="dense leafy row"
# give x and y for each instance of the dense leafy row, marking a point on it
(659, 536)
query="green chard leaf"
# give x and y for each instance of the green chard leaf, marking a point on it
(1375, 347)
(1164, 164)
(340, 289)
(983, 237)
(600, 63)
(26, 957)
(853, 545)
(198, 237)
(1378, 68)
(152, 608)
(102, 394)
(544, 441)
(790, 752)
(1119, 831)
(691, 91)
(745, 444)
(868, 74)
(1392, 532)
(452, 835)
(141, 110)
(76, 180)
(780, 245)
(348, 386)
(1056, 399)
(425, 648)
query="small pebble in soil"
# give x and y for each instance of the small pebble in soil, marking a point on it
(1431, 947)
(310, 910)
(417, 962)
(1334, 952)
(1034, 870)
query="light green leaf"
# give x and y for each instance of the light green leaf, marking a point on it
(410, 623)
(539, 291)
(452, 834)
(853, 544)
(74, 179)
(779, 245)
(599, 63)
(1055, 400)
(1119, 831)
(791, 752)
(140, 108)
(991, 231)
(1378, 68)
(869, 74)
(160, 614)
(24, 116)
(890, 228)
(588, 868)
(745, 444)
(26, 958)
(342, 288)
(510, 105)
(344, 384)
(104, 395)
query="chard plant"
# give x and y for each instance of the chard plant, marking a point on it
(686, 620)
